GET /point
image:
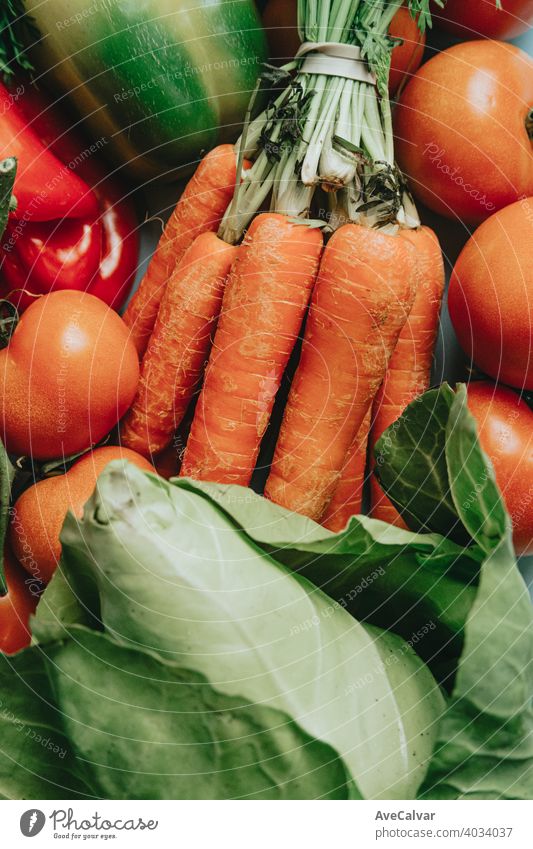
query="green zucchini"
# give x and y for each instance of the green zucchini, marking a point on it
(158, 82)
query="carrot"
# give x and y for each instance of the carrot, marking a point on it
(347, 499)
(264, 304)
(200, 209)
(179, 345)
(364, 291)
(409, 372)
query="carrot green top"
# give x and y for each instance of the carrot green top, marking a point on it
(325, 130)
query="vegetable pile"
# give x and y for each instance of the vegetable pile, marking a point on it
(247, 551)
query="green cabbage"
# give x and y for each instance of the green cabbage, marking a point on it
(200, 642)
(173, 577)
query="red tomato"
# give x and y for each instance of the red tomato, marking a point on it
(40, 511)
(406, 57)
(16, 606)
(490, 298)
(483, 18)
(68, 375)
(462, 129)
(280, 20)
(505, 425)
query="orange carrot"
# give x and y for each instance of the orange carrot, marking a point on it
(264, 304)
(363, 295)
(200, 209)
(347, 499)
(409, 372)
(179, 345)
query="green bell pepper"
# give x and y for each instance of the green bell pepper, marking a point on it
(158, 81)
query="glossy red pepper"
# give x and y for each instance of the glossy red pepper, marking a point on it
(73, 227)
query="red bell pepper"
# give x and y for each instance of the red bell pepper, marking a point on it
(73, 228)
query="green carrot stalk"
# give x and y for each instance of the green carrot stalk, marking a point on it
(326, 131)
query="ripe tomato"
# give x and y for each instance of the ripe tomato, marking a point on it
(505, 426)
(483, 18)
(462, 129)
(406, 57)
(16, 606)
(490, 298)
(280, 20)
(40, 511)
(67, 376)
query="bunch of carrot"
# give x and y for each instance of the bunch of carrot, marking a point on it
(367, 346)
(223, 320)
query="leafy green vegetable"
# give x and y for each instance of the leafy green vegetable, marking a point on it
(477, 499)
(485, 746)
(175, 578)
(431, 466)
(412, 468)
(60, 606)
(381, 574)
(64, 732)
(36, 758)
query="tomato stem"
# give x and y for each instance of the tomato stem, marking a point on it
(8, 170)
(8, 321)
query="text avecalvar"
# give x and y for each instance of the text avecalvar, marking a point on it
(404, 815)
